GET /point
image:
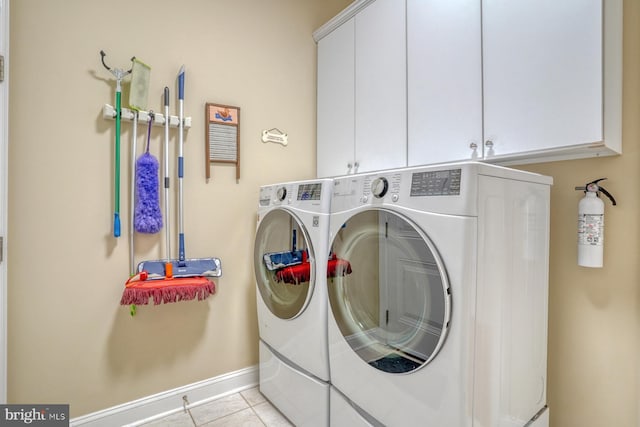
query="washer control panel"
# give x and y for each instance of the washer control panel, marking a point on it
(296, 194)
(311, 191)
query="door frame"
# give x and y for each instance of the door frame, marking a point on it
(4, 176)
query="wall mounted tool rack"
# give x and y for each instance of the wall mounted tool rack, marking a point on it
(126, 114)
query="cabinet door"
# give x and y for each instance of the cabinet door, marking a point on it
(381, 107)
(542, 76)
(444, 80)
(336, 101)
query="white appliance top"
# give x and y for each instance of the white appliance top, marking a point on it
(446, 188)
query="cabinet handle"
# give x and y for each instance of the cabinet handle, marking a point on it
(474, 150)
(489, 148)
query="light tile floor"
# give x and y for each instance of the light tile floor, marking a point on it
(249, 408)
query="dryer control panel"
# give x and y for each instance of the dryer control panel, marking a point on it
(451, 189)
(435, 189)
(436, 183)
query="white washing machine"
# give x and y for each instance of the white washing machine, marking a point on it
(291, 246)
(441, 316)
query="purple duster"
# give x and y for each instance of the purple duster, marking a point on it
(147, 216)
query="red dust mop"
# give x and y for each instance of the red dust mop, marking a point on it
(138, 290)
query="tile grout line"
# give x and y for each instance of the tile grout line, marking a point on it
(232, 413)
(186, 408)
(252, 410)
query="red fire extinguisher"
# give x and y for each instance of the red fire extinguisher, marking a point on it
(591, 224)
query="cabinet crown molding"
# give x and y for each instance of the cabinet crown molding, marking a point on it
(348, 13)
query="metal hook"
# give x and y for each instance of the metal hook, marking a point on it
(102, 55)
(118, 73)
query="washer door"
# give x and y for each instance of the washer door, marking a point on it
(283, 264)
(388, 291)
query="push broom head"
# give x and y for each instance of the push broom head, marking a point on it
(140, 77)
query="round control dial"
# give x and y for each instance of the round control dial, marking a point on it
(281, 193)
(379, 187)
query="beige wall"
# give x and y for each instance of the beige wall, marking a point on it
(69, 339)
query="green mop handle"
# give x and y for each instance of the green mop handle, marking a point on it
(116, 214)
(119, 75)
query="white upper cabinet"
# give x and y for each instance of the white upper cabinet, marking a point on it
(362, 107)
(504, 81)
(543, 75)
(336, 101)
(444, 71)
(381, 86)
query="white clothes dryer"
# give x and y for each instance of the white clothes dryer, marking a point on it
(291, 247)
(441, 316)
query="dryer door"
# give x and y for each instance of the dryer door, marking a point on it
(284, 264)
(390, 295)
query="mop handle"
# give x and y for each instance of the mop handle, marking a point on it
(132, 194)
(119, 75)
(166, 172)
(181, 250)
(116, 213)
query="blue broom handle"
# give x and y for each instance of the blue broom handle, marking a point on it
(181, 84)
(181, 250)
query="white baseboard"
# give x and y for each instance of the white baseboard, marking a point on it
(170, 402)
